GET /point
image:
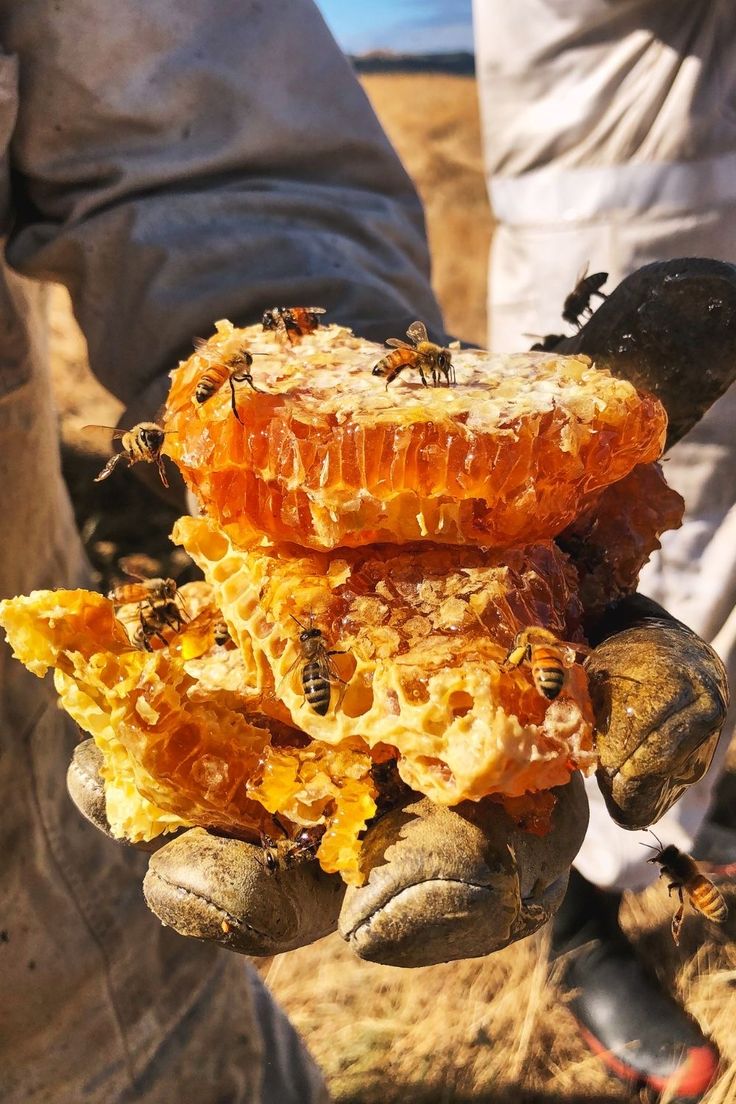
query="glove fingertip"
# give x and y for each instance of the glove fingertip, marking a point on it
(85, 786)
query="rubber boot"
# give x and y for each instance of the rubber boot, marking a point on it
(637, 1029)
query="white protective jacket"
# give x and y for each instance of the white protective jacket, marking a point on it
(610, 137)
(172, 162)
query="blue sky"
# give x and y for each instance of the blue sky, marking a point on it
(408, 26)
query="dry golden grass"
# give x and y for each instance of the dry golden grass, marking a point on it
(487, 1030)
(433, 122)
(484, 1030)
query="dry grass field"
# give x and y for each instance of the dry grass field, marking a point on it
(433, 122)
(491, 1030)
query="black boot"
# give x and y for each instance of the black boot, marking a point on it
(639, 1032)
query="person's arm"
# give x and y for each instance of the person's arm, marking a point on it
(180, 161)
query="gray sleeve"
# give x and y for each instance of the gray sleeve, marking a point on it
(179, 161)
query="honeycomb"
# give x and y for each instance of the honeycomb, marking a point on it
(325, 455)
(425, 630)
(617, 531)
(181, 747)
(415, 531)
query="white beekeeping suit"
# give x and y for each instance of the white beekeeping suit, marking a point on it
(610, 138)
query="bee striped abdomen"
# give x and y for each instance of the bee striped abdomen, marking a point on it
(394, 363)
(316, 687)
(547, 671)
(708, 899)
(208, 384)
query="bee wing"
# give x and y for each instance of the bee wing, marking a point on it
(139, 566)
(397, 343)
(290, 671)
(332, 672)
(417, 332)
(582, 274)
(104, 433)
(315, 310)
(333, 676)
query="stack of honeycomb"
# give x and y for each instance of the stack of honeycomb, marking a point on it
(419, 530)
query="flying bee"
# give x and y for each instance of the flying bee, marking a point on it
(143, 442)
(232, 370)
(687, 879)
(292, 323)
(422, 354)
(578, 301)
(547, 656)
(317, 671)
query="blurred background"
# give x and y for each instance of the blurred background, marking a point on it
(486, 1030)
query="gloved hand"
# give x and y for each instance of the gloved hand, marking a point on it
(462, 882)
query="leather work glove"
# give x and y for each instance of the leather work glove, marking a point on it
(462, 882)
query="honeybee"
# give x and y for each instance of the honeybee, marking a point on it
(686, 877)
(422, 354)
(234, 369)
(156, 602)
(143, 442)
(144, 589)
(578, 301)
(288, 852)
(547, 656)
(317, 671)
(292, 323)
(149, 623)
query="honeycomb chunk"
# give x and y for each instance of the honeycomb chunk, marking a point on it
(414, 531)
(323, 784)
(180, 751)
(327, 456)
(616, 533)
(425, 631)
